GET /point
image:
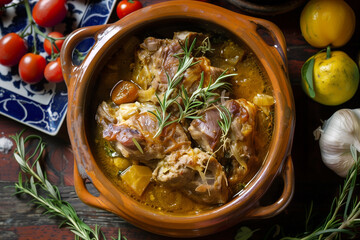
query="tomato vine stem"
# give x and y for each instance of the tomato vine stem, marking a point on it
(36, 31)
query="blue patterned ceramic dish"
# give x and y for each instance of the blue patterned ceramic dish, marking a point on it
(43, 106)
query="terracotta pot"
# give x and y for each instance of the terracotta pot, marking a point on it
(80, 81)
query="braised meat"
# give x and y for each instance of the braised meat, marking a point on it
(141, 128)
(206, 130)
(157, 59)
(242, 129)
(196, 173)
(207, 133)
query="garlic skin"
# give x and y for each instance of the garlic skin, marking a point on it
(338, 133)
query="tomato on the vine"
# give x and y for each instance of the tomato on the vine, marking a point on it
(47, 43)
(53, 72)
(3, 2)
(31, 68)
(48, 13)
(12, 48)
(126, 7)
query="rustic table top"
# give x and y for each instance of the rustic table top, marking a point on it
(314, 183)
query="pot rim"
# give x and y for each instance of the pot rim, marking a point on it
(274, 66)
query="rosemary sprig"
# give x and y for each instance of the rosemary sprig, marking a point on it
(204, 47)
(225, 120)
(202, 97)
(337, 223)
(344, 215)
(185, 62)
(224, 124)
(50, 199)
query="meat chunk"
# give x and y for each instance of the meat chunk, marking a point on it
(182, 36)
(207, 133)
(206, 130)
(242, 129)
(140, 129)
(156, 60)
(199, 175)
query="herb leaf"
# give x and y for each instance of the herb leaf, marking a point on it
(138, 146)
(185, 62)
(224, 124)
(199, 100)
(337, 223)
(244, 233)
(307, 72)
(204, 47)
(52, 203)
(202, 97)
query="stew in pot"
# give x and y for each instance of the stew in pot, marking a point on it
(183, 123)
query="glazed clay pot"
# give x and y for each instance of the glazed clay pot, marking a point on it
(177, 15)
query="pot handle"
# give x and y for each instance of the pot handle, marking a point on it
(277, 42)
(83, 193)
(275, 208)
(66, 54)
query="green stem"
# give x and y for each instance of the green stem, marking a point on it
(28, 11)
(23, 32)
(346, 223)
(328, 52)
(35, 30)
(31, 23)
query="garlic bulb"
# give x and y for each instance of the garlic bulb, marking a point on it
(338, 133)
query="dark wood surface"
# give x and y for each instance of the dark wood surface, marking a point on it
(315, 183)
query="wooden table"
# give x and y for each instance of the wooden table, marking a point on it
(314, 182)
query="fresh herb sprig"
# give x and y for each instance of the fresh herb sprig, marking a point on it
(45, 194)
(224, 122)
(204, 47)
(185, 62)
(344, 215)
(202, 97)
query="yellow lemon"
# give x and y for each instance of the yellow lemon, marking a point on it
(327, 22)
(335, 77)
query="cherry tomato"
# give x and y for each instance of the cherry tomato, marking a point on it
(3, 2)
(48, 13)
(53, 72)
(125, 7)
(12, 48)
(47, 44)
(31, 68)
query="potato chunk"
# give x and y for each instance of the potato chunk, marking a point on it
(121, 163)
(137, 177)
